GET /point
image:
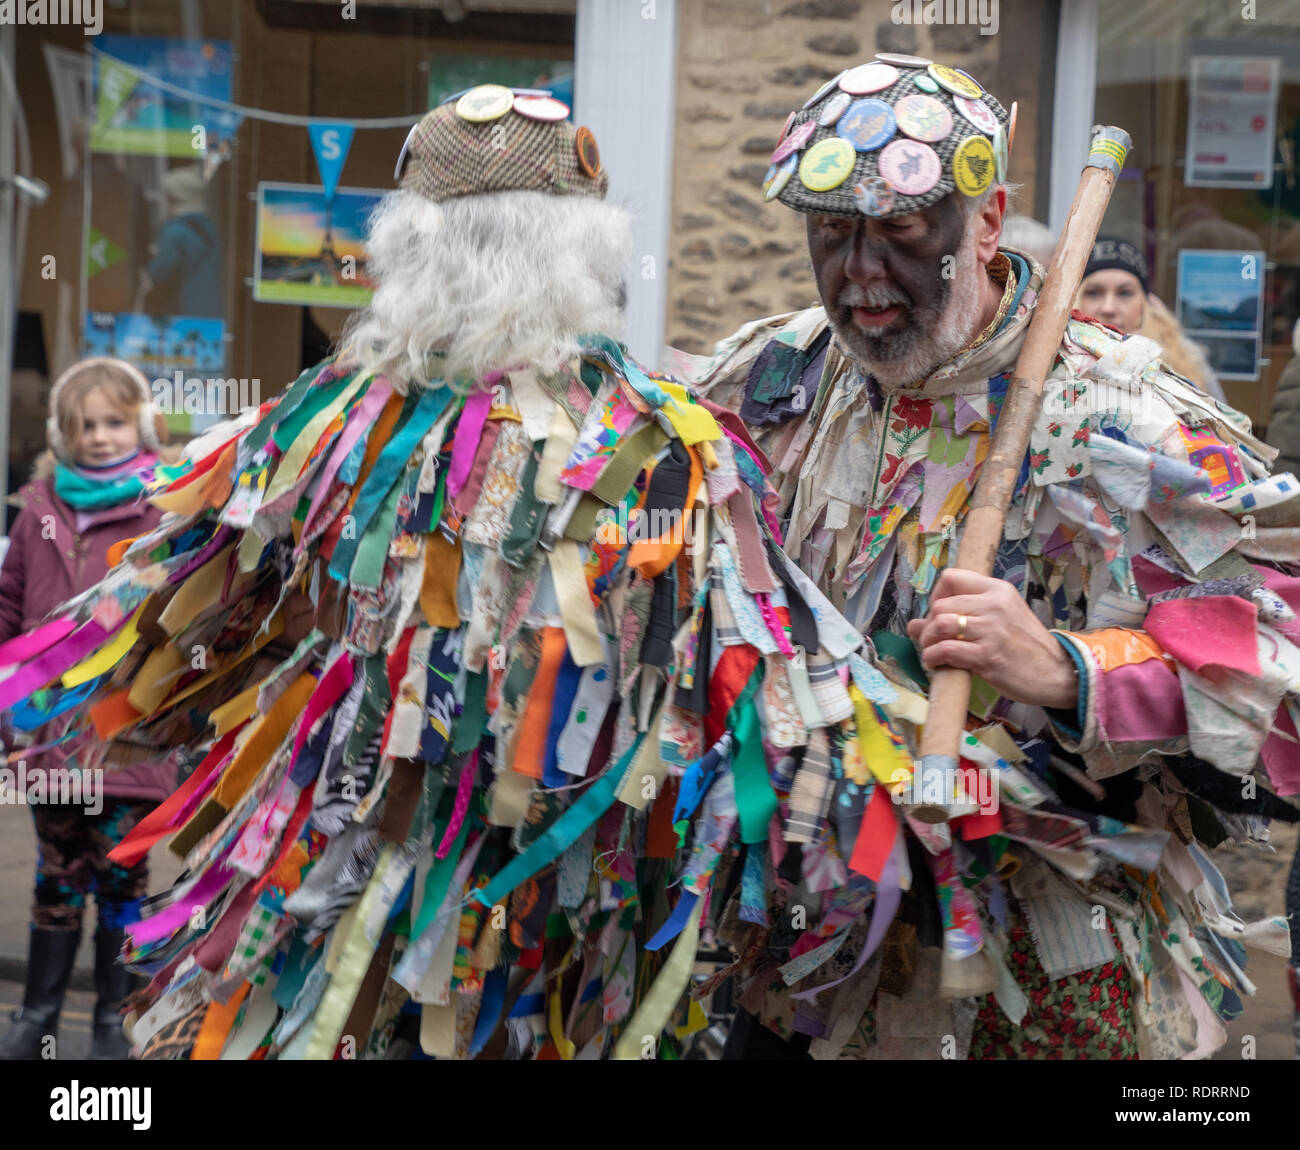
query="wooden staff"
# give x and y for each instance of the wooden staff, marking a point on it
(950, 686)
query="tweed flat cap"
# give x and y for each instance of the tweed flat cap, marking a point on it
(890, 137)
(496, 139)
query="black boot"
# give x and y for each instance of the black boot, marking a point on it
(50, 955)
(113, 983)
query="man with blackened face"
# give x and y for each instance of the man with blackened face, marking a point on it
(876, 411)
(906, 294)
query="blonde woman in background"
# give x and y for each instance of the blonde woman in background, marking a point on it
(1116, 290)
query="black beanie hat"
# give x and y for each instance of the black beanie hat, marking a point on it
(1112, 252)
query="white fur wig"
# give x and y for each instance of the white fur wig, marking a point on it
(484, 283)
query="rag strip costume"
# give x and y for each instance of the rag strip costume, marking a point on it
(1146, 534)
(485, 802)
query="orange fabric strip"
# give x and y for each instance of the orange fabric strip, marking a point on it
(655, 556)
(438, 590)
(530, 751)
(114, 714)
(216, 1027)
(1117, 647)
(253, 755)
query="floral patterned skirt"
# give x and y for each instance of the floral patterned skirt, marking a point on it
(1085, 1015)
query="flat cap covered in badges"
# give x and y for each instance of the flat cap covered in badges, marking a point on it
(497, 139)
(888, 138)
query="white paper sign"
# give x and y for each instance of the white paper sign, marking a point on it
(1230, 122)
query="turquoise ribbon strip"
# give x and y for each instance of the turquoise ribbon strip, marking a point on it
(602, 345)
(563, 833)
(755, 798)
(297, 391)
(388, 467)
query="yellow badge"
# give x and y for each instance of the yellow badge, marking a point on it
(486, 102)
(827, 165)
(972, 166)
(958, 83)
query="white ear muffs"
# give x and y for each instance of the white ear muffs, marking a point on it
(148, 432)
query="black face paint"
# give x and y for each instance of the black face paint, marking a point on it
(907, 260)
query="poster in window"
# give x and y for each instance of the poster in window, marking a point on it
(135, 117)
(310, 248)
(1221, 307)
(1230, 122)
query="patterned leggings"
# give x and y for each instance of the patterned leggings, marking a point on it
(72, 860)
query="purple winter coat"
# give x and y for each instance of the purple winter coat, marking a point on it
(48, 562)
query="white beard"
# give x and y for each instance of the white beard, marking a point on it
(922, 352)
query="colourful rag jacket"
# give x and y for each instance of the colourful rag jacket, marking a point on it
(1147, 534)
(54, 554)
(482, 806)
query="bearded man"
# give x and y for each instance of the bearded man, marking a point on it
(1135, 655)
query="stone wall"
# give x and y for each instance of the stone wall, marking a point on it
(743, 65)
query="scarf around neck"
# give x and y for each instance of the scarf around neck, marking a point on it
(86, 488)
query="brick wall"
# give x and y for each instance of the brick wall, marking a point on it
(743, 65)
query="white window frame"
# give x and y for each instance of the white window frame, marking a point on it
(1073, 104)
(625, 68)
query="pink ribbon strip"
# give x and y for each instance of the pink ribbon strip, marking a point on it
(167, 922)
(469, 430)
(50, 665)
(23, 647)
(464, 789)
(329, 690)
(764, 602)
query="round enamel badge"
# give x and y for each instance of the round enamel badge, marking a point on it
(827, 164)
(874, 196)
(923, 118)
(902, 61)
(834, 109)
(1001, 154)
(584, 143)
(911, 167)
(868, 78)
(794, 141)
(817, 95)
(973, 165)
(486, 102)
(958, 83)
(867, 124)
(978, 113)
(546, 108)
(925, 82)
(778, 175)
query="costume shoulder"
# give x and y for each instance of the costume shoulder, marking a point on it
(769, 369)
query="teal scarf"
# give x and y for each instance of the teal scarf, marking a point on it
(88, 494)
